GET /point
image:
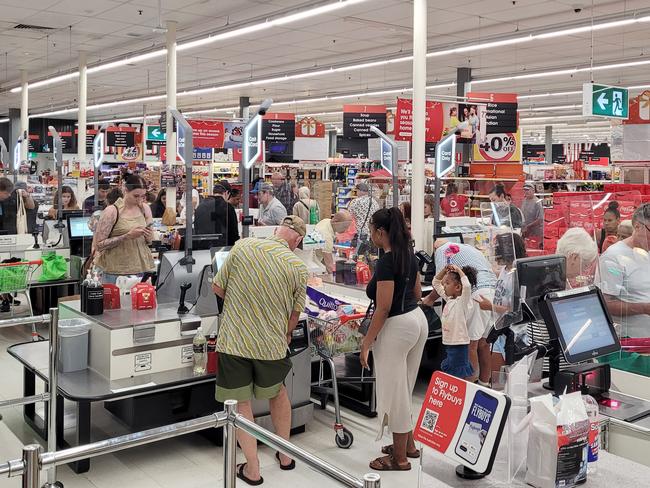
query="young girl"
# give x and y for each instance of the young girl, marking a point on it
(454, 285)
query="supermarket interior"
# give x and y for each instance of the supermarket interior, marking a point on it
(352, 243)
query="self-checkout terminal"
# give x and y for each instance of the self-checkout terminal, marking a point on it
(580, 330)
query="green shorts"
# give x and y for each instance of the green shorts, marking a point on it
(243, 379)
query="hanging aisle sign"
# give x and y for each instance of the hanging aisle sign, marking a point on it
(279, 127)
(462, 420)
(499, 148)
(120, 136)
(434, 121)
(604, 101)
(357, 120)
(500, 111)
(207, 133)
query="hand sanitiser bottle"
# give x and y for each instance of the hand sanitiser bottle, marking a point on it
(200, 356)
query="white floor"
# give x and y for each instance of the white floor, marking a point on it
(189, 461)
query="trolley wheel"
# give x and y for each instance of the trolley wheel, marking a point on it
(344, 438)
(324, 398)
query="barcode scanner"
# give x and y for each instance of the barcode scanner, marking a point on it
(182, 309)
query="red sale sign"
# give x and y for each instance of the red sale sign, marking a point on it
(207, 133)
(462, 420)
(434, 124)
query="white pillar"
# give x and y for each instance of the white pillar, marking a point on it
(171, 102)
(419, 114)
(81, 117)
(24, 116)
(548, 144)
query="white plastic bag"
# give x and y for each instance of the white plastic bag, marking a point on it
(557, 442)
(21, 215)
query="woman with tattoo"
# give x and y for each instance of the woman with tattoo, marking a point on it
(124, 233)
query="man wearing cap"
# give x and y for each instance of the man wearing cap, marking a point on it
(328, 228)
(272, 212)
(215, 215)
(531, 208)
(362, 209)
(263, 287)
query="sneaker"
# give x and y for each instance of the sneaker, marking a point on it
(5, 307)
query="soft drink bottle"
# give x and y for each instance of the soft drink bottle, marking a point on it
(199, 348)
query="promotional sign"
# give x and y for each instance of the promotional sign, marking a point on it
(462, 420)
(310, 127)
(639, 109)
(155, 135)
(120, 136)
(500, 111)
(202, 154)
(130, 154)
(446, 156)
(252, 145)
(604, 101)
(207, 133)
(434, 121)
(357, 120)
(279, 127)
(34, 142)
(499, 148)
(233, 134)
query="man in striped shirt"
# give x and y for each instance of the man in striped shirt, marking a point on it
(263, 285)
(465, 255)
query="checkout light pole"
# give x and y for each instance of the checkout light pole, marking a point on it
(98, 157)
(3, 156)
(251, 151)
(57, 151)
(185, 150)
(389, 160)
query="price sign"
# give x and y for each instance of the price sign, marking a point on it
(499, 148)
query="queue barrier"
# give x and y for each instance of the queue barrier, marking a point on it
(34, 459)
(52, 319)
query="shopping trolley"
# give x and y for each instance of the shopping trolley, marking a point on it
(15, 278)
(332, 338)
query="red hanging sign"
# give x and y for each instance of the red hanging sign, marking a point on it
(207, 133)
(434, 122)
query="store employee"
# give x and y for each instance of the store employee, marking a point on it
(9, 205)
(328, 228)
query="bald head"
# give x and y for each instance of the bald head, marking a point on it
(277, 179)
(341, 221)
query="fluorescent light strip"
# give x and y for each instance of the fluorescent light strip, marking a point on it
(4, 121)
(550, 107)
(324, 9)
(560, 72)
(557, 117)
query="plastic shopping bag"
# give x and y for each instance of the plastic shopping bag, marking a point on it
(55, 267)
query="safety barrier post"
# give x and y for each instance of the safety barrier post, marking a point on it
(230, 445)
(371, 480)
(32, 463)
(52, 387)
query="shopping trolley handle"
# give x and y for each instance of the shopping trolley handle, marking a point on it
(23, 263)
(347, 318)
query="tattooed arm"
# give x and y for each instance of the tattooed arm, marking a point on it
(104, 227)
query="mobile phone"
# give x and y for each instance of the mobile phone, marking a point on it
(149, 225)
(477, 424)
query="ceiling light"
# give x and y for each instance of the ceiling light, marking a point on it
(544, 95)
(4, 121)
(552, 107)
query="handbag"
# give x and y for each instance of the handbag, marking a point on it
(21, 215)
(433, 321)
(55, 267)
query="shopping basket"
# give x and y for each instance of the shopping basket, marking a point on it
(332, 338)
(15, 278)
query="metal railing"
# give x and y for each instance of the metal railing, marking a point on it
(34, 459)
(50, 396)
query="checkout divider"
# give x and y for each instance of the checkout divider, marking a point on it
(34, 459)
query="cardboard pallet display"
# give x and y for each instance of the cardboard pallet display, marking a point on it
(321, 191)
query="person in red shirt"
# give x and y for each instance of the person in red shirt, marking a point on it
(453, 204)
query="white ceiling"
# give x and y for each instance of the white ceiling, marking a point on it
(377, 29)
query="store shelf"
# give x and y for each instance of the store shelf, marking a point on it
(577, 182)
(469, 178)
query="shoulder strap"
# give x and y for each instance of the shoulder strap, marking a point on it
(116, 219)
(306, 206)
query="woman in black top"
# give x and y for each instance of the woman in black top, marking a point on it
(397, 334)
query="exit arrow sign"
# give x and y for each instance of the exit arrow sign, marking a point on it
(604, 101)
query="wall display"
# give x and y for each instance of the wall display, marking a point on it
(309, 127)
(500, 111)
(120, 136)
(279, 127)
(499, 148)
(639, 110)
(207, 133)
(357, 120)
(462, 420)
(604, 101)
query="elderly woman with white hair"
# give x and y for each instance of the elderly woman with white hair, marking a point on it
(581, 252)
(306, 208)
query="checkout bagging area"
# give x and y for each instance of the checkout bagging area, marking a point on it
(144, 349)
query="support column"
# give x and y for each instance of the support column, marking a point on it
(464, 86)
(15, 131)
(83, 102)
(24, 115)
(171, 102)
(419, 114)
(548, 143)
(245, 174)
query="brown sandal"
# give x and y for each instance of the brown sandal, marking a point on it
(412, 455)
(388, 463)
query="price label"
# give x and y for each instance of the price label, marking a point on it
(498, 147)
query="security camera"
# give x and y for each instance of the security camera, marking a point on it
(265, 106)
(577, 7)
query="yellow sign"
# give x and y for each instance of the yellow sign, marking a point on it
(499, 148)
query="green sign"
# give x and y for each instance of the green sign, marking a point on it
(604, 101)
(155, 133)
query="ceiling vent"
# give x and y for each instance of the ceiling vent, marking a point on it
(32, 27)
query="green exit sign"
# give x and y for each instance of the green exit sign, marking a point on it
(155, 133)
(604, 101)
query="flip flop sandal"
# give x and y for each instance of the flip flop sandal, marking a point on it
(389, 450)
(388, 464)
(285, 467)
(242, 476)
